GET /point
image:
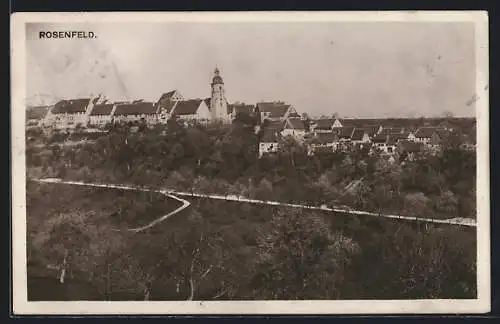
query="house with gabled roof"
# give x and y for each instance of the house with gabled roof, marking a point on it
(240, 108)
(360, 136)
(380, 142)
(275, 110)
(71, 113)
(402, 136)
(165, 105)
(408, 150)
(337, 123)
(391, 146)
(192, 110)
(324, 125)
(137, 111)
(385, 143)
(323, 141)
(345, 133)
(269, 141)
(36, 114)
(101, 114)
(294, 127)
(173, 95)
(372, 130)
(392, 130)
(432, 136)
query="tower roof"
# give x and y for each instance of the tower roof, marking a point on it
(217, 79)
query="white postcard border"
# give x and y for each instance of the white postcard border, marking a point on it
(18, 76)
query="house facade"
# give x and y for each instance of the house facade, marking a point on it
(275, 111)
(326, 142)
(165, 105)
(101, 114)
(240, 108)
(294, 127)
(409, 150)
(70, 113)
(360, 136)
(269, 141)
(192, 110)
(137, 111)
(36, 115)
(424, 134)
(431, 136)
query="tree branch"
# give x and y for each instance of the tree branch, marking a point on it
(221, 293)
(206, 272)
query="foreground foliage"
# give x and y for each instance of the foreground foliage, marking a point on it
(223, 250)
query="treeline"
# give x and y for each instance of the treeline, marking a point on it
(229, 251)
(224, 159)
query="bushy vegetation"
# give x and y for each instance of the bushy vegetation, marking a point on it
(217, 250)
(231, 250)
(224, 159)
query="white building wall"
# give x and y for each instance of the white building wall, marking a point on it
(337, 124)
(298, 134)
(267, 147)
(100, 120)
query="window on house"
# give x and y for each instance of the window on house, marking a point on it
(389, 149)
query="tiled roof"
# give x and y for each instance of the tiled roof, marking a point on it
(380, 138)
(399, 136)
(360, 122)
(276, 125)
(270, 136)
(276, 109)
(371, 130)
(72, 106)
(345, 132)
(296, 123)
(167, 105)
(138, 108)
(443, 133)
(391, 141)
(102, 109)
(358, 134)
(208, 102)
(324, 138)
(411, 146)
(187, 107)
(324, 123)
(391, 130)
(425, 132)
(168, 95)
(240, 108)
(37, 112)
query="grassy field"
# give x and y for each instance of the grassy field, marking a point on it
(391, 259)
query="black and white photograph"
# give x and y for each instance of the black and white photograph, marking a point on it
(250, 163)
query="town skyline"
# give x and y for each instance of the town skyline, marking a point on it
(356, 70)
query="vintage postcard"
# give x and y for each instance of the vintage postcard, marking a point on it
(250, 163)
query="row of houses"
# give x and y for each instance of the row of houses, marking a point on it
(345, 134)
(97, 112)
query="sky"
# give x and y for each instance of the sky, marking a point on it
(355, 69)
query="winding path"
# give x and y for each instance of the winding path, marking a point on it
(184, 202)
(173, 194)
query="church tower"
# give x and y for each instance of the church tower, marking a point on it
(218, 103)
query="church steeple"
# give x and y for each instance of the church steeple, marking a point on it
(218, 103)
(217, 79)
